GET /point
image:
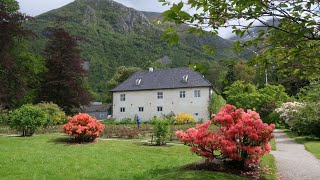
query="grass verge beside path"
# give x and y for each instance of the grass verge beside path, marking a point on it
(312, 144)
(268, 167)
(273, 144)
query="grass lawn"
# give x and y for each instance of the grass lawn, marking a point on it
(269, 168)
(273, 144)
(312, 144)
(46, 157)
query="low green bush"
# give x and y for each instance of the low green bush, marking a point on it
(310, 93)
(307, 119)
(161, 129)
(56, 116)
(27, 119)
(125, 121)
(109, 121)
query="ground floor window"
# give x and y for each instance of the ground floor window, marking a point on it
(122, 109)
(140, 109)
(159, 108)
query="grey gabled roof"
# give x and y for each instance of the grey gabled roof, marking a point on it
(95, 108)
(163, 79)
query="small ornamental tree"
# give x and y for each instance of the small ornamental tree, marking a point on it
(242, 136)
(83, 127)
(161, 129)
(27, 119)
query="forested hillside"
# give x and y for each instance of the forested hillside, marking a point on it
(113, 35)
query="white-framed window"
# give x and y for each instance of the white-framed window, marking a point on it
(182, 94)
(196, 93)
(160, 95)
(159, 108)
(141, 109)
(122, 97)
(122, 109)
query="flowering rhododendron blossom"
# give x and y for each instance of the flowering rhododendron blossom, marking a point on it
(83, 127)
(242, 136)
(287, 110)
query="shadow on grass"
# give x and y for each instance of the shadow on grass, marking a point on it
(191, 171)
(61, 140)
(152, 145)
(67, 140)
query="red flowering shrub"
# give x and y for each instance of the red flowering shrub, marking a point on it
(242, 136)
(83, 127)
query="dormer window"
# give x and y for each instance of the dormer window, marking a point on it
(185, 78)
(138, 81)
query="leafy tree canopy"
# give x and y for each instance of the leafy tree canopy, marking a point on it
(64, 82)
(288, 40)
(122, 73)
(302, 15)
(20, 70)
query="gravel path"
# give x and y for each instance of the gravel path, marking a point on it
(293, 161)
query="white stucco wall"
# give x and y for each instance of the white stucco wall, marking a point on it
(171, 102)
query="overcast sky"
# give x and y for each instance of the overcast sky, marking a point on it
(36, 7)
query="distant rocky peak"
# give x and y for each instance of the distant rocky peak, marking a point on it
(123, 19)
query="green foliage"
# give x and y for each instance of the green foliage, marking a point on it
(109, 42)
(56, 116)
(307, 119)
(287, 42)
(11, 6)
(216, 103)
(264, 100)
(310, 93)
(20, 70)
(27, 119)
(125, 121)
(161, 129)
(121, 74)
(4, 117)
(64, 81)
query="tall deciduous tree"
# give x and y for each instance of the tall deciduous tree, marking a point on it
(64, 81)
(290, 36)
(18, 68)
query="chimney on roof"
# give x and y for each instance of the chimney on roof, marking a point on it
(150, 69)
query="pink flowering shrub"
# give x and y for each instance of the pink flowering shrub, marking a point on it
(83, 127)
(242, 136)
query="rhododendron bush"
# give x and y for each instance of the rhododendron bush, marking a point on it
(83, 127)
(242, 136)
(289, 110)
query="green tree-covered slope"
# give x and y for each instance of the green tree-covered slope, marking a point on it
(114, 35)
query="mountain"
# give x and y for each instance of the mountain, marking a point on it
(114, 35)
(253, 32)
